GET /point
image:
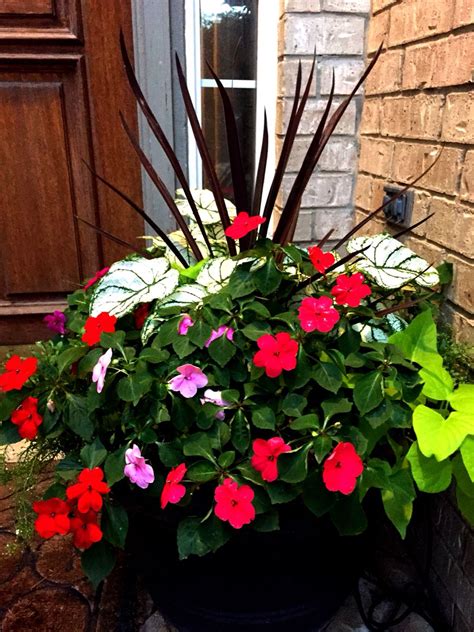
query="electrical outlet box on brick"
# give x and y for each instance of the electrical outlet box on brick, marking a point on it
(400, 210)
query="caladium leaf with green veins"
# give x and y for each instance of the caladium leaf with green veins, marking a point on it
(391, 264)
(206, 206)
(379, 332)
(215, 274)
(441, 437)
(131, 282)
(183, 297)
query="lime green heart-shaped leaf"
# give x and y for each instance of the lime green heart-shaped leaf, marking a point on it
(441, 437)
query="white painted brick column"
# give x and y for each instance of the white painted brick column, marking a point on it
(337, 29)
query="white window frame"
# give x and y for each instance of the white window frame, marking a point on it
(267, 69)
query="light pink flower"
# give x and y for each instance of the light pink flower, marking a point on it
(215, 397)
(137, 469)
(221, 331)
(190, 379)
(184, 324)
(100, 369)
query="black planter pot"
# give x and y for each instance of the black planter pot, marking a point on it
(291, 579)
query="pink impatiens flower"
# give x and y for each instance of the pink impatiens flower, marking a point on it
(137, 469)
(184, 324)
(173, 491)
(215, 397)
(317, 313)
(56, 322)
(350, 289)
(265, 456)
(190, 379)
(223, 330)
(276, 353)
(100, 369)
(234, 503)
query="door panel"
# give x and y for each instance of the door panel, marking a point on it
(60, 97)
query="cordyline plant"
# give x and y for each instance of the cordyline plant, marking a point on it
(226, 373)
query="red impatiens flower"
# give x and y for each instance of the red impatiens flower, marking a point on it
(27, 418)
(234, 503)
(277, 353)
(350, 290)
(97, 325)
(52, 517)
(98, 275)
(173, 491)
(321, 260)
(88, 490)
(341, 469)
(243, 224)
(17, 372)
(317, 313)
(85, 529)
(140, 315)
(265, 456)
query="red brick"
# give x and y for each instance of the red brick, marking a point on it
(369, 192)
(461, 291)
(386, 74)
(412, 20)
(370, 121)
(460, 220)
(412, 117)
(378, 5)
(378, 31)
(458, 120)
(467, 180)
(376, 156)
(446, 62)
(411, 159)
(464, 13)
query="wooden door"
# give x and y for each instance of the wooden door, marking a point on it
(62, 86)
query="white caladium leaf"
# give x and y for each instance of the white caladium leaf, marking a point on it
(391, 264)
(184, 296)
(131, 282)
(215, 274)
(206, 205)
(371, 332)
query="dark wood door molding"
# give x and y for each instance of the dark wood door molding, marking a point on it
(61, 89)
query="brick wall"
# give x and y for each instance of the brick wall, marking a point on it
(338, 29)
(419, 99)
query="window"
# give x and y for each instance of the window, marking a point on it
(239, 41)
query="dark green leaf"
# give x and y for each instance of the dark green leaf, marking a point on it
(256, 329)
(266, 522)
(267, 278)
(8, 403)
(93, 454)
(98, 561)
(241, 283)
(368, 392)
(198, 444)
(263, 417)
(201, 472)
(293, 405)
(133, 387)
(183, 346)
(328, 376)
(349, 342)
(114, 465)
(199, 333)
(305, 422)
(381, 414)
(335, 406)
(77, 417)
(398, 499)
(113, 340)
(198, 538)
(89, 361)
(321, 447)
(316, 497)
(115, 524)
(222, 350)
(293, 466)
(171, 453)
(348, 515)
(69, 356)
(8, 433)
(258, 308)
(226, 459)
(282, 492)
(56, 490)
(240, 432)
(154, 356)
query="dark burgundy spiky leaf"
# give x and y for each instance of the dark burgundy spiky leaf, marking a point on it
(142, 214)
(399, 307)
(293, 124)
(262, 165)
(321, 243)
(161, 138)
(289, 217)
(113, 237)
(412, 226)
(205, 155)
(160, 185)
